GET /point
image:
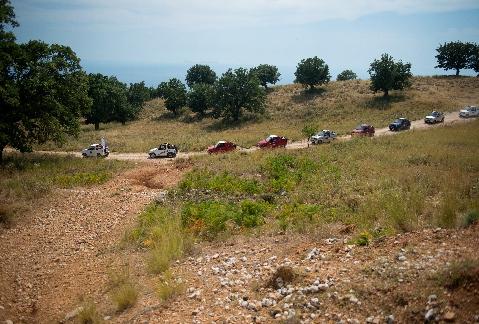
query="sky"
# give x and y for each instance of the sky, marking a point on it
(155, 40)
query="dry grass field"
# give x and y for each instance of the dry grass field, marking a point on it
(339, 106)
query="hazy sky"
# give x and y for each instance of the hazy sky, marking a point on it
(154, 40)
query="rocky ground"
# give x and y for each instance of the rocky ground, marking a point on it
(300, 279)
(64, 246)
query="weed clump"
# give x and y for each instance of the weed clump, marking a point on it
(460, 274)
(363, 239)
(123, 291)
(169, 287)
(471, 218)
(89, 314)
(281, 277)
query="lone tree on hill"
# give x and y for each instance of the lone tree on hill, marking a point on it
(200, 74)
(312, 71)
(346, 75)
(110, 101)
(389, 75)
(455, 56)
(238, 91)
(200, 98)
(266, 74)
(174, 95)
(43, 89)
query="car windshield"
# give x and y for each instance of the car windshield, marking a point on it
(320, 134)
(398, 121)
(92, 147)
(270, 138)
(219, 144)
(435, 113)
(362, 127)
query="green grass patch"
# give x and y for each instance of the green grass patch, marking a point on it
(209, 218)
(224, 182)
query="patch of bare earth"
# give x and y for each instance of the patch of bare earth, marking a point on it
(64, 247)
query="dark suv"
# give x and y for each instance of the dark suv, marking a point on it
(399, 124)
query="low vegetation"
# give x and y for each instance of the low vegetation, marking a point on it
(311, 190)
(169, 287)
(122, 290)
(339, 106)
(29, 177)
(460, 274)
(89, 313)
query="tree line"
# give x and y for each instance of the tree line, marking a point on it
(44, 92)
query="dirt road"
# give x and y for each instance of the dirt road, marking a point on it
(449, 118)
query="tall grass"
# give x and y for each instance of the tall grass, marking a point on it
(123, 291)
(341, 106)
(396, 184)
(160, 229)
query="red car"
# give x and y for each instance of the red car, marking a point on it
(222, 147)
(363, 130)
(273, 141)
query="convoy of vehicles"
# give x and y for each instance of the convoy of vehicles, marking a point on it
(273, 141)
(399, 124)
(324, 136)
(363, 130)
(163, 150)
(222, 147)
(434, 117)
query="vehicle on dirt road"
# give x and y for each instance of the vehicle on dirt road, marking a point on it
(324, 136)
(469, 111)
(434, 117)
(399, 124)
(163, 150)
(273, 141)
(222, 147)
(96, 150)
(363, 130)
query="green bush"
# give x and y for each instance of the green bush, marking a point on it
(209, 218)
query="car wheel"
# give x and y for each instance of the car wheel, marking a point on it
(152, 155)
(169, 155)
(98, 155)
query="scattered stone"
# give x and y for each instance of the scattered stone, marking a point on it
(107, 318)
(449, 316)
(313, 254)
(401, 257)
(195, 312)
(430, 315)
(389, 319)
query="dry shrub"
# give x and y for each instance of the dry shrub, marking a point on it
(281, 277)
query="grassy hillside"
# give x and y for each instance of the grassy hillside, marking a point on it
(377, 187)
(339, 106)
